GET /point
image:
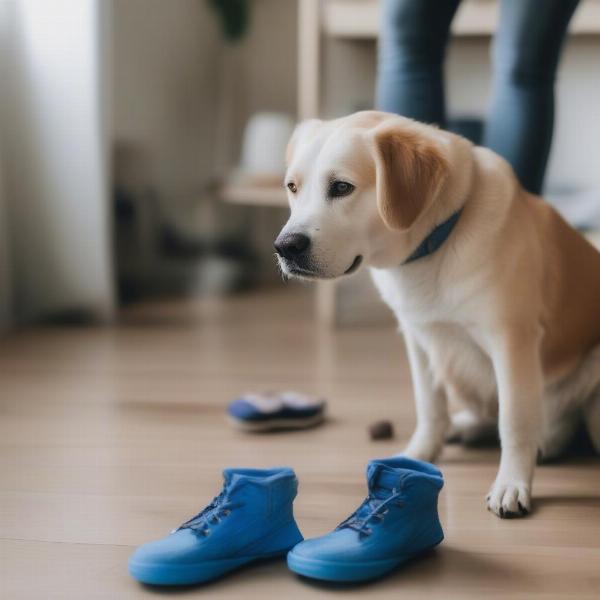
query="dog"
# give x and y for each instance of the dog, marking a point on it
(497, 297)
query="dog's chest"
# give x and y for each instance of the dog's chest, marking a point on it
(420, 300)
(444, 326)
(456, 360)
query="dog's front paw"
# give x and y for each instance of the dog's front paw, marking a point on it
(509, 499)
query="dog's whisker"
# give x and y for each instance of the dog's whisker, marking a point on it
(284, 275)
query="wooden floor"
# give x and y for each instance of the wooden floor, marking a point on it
(109, 438)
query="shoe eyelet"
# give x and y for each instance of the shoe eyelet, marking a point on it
(206, 532)
(226, 512)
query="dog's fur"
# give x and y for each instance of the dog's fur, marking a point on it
(503, 319)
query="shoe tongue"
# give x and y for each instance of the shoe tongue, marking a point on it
(230, 479)
(383, 480)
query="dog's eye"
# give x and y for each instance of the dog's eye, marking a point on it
(339, 188)
(292, 187)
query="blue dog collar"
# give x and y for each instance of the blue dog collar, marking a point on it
(435, 239)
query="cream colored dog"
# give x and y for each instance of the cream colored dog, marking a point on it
(498, 298)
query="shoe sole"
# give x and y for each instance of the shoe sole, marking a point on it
(347, 572)
(276, 424)
(157, 574)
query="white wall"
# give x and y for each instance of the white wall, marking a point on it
(165, 59)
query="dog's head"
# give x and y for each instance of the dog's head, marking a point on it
(355, 186)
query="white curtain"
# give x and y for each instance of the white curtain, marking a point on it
(5, 282)
(54, 177)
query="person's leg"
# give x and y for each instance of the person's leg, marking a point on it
(526, 54)
(412, 45)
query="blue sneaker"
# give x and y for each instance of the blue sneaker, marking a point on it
(398, 520)
(251, 519)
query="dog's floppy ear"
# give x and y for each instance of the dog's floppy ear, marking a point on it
(410, 168)
(303, 128)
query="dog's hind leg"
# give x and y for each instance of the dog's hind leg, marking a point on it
(557, 434)
(591, 418)
(591, 407)
(469, 428)
(474, 421)
(568, 403)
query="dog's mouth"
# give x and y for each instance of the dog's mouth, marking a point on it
(354, 266)
(295, 270)
(300, 272)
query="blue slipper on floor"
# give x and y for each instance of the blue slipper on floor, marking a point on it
(272, 411)
(251, 519)
(396, 522)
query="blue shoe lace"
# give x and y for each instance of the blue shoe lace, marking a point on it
(211, 514)
(371, 508)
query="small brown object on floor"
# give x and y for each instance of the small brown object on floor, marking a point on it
(381, 430)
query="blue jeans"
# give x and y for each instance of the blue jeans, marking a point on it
(414, 36)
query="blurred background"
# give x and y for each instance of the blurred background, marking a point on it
(141, 140)
(141, 168)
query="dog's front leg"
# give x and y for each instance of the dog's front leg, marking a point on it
(517, 365)
(431, 404)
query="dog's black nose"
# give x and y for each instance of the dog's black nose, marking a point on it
(292, 245)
